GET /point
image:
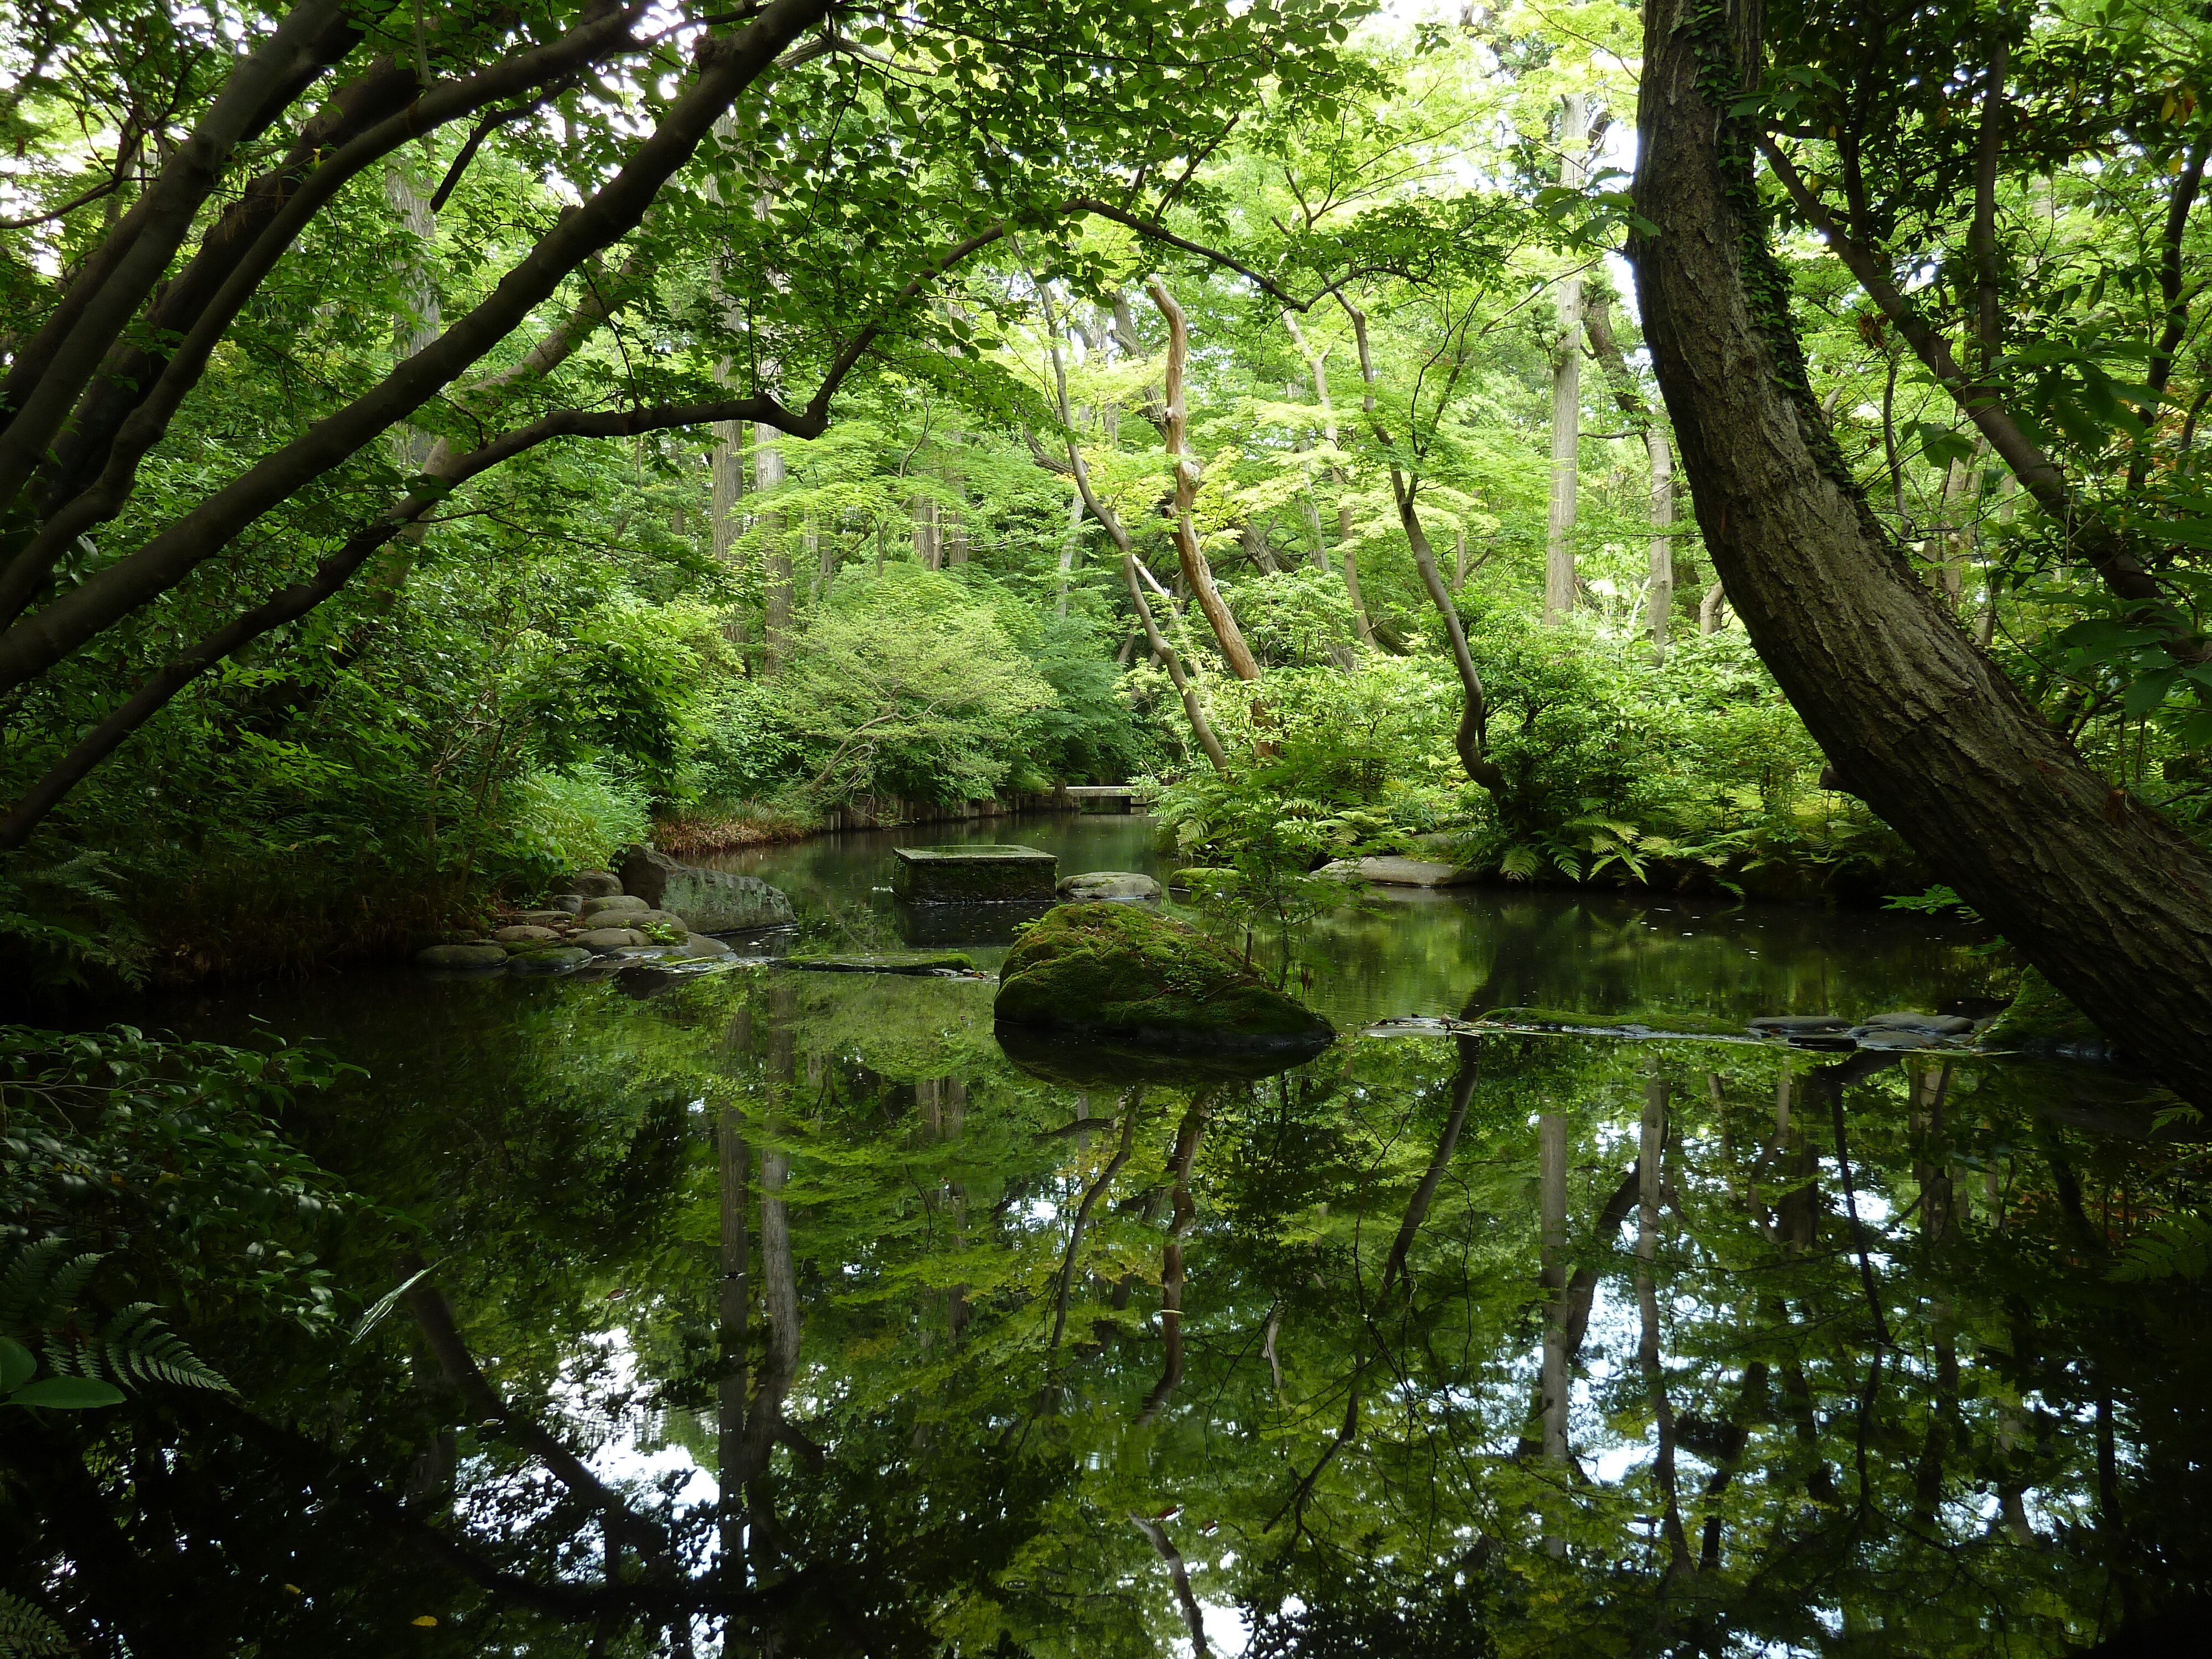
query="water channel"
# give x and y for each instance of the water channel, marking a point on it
(815, 1325)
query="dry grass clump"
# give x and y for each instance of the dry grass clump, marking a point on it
(725, 825)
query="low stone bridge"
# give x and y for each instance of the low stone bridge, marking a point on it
(1108, 797)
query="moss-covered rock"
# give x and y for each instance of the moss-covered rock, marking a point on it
(2041, 1020)
(1122, 971)
(879, 962)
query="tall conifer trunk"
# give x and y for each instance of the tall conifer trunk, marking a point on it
(1560, 581)
(2111, 901)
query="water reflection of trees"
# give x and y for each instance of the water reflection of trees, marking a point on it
(1427, 1347)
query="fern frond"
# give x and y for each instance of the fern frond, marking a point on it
(2176, 1247)
(137, 1344)
(39, 1281)
(28, 1630)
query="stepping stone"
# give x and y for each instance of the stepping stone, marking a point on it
(1115, 886)
(1394, 871)
(973, 872)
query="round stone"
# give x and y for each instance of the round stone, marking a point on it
(1119, 886)
(1798, 1025)
(600, 940)
(544, 918)
(1931, 1024)
(594, 883)
(557, 960)
(525, 934)
(615, 904)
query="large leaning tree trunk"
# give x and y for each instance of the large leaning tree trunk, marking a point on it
(2112, 902)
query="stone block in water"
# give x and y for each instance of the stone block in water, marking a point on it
(974, 873)
(705, 901)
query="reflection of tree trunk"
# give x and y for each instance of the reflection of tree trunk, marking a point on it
(435, 1316)
(1417, 1212)
(1797, 1401)
(1394, 1270)
(1186, 1150)
(1651, 1179)
(1551, 1209)
(1932, 1172)
(779, 1289)
(1180, 1575)
(1791, 1160)
(732, 1157)
(1580, 1294)
(1726, 1454)
(1090, 1197)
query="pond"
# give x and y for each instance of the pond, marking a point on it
(781, 1313)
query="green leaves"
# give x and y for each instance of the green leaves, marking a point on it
(66, 1394)
(1941, 446)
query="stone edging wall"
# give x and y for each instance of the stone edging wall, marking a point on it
(882, 811)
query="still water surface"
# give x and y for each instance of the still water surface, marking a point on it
(817, 1326)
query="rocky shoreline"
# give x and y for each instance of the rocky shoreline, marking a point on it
(655, 910)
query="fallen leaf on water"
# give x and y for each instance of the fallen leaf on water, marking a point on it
(426, 1621)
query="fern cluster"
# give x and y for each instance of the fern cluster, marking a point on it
(2178, 1246)
(28, 1630)
(42, 1290)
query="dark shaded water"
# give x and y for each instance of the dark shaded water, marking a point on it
(865, 1340)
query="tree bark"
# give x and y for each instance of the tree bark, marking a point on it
(2109, 900)
(1597, 322)
(1195, 569)
(725, 66)
(1192, 708)
(769, 474)
(1560, 581)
